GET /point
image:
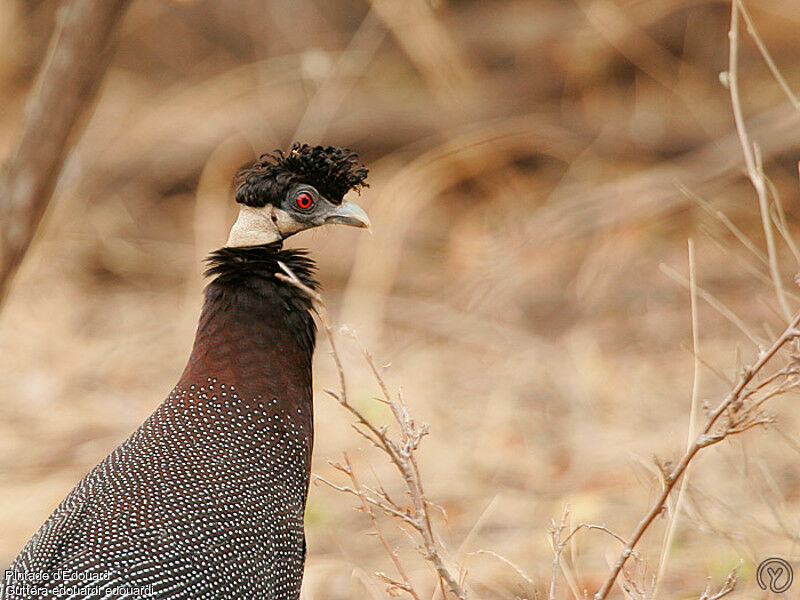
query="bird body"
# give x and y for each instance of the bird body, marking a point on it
(206, 499)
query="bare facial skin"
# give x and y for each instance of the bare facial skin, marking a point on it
(303, 208)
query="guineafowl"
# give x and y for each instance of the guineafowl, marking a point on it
(206, 499)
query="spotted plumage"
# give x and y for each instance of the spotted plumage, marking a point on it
(206, 499)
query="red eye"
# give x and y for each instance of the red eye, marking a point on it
(304, 201)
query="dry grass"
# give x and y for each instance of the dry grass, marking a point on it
(534, 167)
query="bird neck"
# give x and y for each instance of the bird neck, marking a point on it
(255, 331)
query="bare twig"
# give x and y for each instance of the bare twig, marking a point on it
(405, 585)
(675, 514)
(595, 527)
(762, 48)
(752, 158)
(556, 530)
(740, 418)
(66, 86)
(506, 561)
(727, 587)
(558, 543)
(401, 452)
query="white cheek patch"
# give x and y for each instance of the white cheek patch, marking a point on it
(257, 226)
(254, 227)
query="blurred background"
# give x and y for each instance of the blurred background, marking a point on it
(536, 171)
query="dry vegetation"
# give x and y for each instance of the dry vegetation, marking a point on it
(537, 169)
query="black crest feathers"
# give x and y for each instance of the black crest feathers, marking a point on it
(332, 171)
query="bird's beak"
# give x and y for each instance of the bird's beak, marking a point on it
(348, 213)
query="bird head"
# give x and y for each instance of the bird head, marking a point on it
(284, 193)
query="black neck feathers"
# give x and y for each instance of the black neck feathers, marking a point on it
(250, 263)
(251, 320)
(247, 275)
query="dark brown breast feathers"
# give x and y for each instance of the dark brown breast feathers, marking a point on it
(206, 499)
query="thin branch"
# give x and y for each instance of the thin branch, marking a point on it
(385, 507)
(707, 437)
(556, 529)
(594, 527)
(696, 371)
(752, 158)
(401, 453)
(727, 587)
(406, 583)
(558, 543)
(762, 48)
(506, 561)
(65, 88)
